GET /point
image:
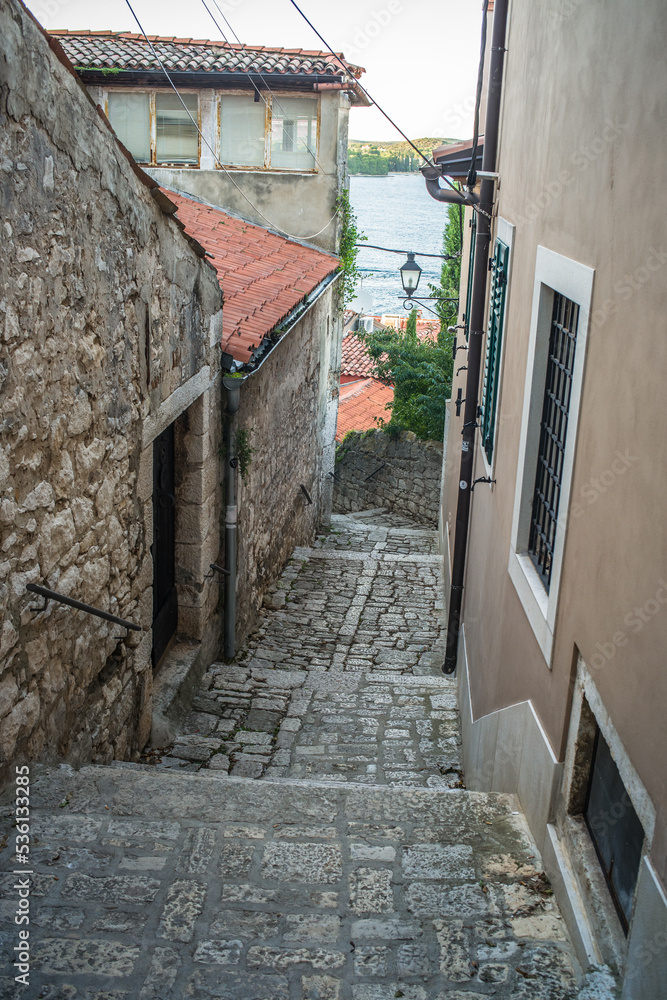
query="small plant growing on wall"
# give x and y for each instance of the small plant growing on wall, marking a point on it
(244, 452)
(348, 249)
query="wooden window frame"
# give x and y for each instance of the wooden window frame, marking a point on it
(268, 123)
(152, 110)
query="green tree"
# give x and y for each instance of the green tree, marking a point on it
(421, 373)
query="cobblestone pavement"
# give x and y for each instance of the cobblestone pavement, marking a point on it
(358, 868)
(158, 886)
(341, 680)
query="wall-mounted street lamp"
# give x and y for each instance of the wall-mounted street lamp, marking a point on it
(410, 274)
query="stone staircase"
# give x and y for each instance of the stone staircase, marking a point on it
(356, 868)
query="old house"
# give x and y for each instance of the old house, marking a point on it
(281, 351)
(556, 579)
(167, 460)
(111, 394)
(259, 131)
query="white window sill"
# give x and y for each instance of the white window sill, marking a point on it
(534, 600)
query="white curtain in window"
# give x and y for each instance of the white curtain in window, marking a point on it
(129, 115)
(294, 133)
(242, 126)
(177, 139)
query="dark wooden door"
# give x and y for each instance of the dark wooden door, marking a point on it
(165, 606)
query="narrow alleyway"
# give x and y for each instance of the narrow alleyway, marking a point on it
(356, 868)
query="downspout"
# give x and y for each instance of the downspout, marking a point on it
(233, 387)
(478, 300)
(432, 177)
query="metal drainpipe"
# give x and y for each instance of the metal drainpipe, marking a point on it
(233, 387)
(432, 176)
(480, 274)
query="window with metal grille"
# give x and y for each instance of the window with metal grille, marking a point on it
(553, 433)
(471, 262)
(494, 341)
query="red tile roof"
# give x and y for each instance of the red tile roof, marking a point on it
(128, 51)
(362, 404)
(263, 276)
(355, 360)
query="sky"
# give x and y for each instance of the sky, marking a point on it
(420, 56)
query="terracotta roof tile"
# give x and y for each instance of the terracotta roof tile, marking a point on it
(128, 51)
(263, 276)
(355, 360)
(362, 404)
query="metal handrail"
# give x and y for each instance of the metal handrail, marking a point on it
(52, 595)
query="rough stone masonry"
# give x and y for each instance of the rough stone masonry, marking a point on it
(106, 312)
(397, 472)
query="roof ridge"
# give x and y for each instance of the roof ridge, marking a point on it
(214, 42)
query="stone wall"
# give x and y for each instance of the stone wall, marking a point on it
(110, 329)
(400, 473)
(286, 410)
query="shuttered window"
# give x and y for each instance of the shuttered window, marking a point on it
(494, 342)
(177, 139)
(130, 117)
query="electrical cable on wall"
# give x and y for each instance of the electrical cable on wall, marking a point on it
(277, 229)
(472, 173)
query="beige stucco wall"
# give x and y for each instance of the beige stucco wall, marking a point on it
(298, 204)
(583, 173)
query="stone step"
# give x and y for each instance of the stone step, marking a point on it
(159, 885)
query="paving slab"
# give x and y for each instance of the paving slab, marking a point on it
(294, 889)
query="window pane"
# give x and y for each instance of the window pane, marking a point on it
(177, 139)
(242, 124)
(129, 115)
(294, 133)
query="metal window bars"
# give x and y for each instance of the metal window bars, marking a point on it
(553, 434)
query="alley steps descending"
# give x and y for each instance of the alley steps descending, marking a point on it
(307, 836)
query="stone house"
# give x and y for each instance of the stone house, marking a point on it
(115, 459)
(280, 361)
(273, 122)
(110, 400)
(562, 629)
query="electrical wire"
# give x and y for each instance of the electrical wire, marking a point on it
(472, 173)
(274, 98)
(212, 151)
(427, 160)
(417, 253)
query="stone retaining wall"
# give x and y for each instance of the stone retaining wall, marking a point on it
(400, 473)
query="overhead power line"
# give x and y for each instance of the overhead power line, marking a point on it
(274, 98)
(203, 138)
(427, 159)
(417, 253)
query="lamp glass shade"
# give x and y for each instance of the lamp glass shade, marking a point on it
(410, 275)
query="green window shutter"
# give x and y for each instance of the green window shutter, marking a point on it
(471, 262)
(494, 341)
